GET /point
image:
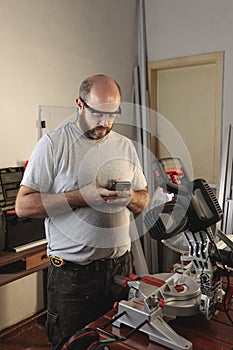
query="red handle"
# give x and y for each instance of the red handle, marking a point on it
(11, 212)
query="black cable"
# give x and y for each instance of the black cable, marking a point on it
(228, 279)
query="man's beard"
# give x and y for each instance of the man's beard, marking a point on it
(96, 133)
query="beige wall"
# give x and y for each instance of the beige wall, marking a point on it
(47, 48)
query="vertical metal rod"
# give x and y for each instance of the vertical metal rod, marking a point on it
(225, 191)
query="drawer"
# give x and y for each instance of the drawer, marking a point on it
(36, 260)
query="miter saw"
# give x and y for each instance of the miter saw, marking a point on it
(185, 222)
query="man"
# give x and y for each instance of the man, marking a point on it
(87, 224)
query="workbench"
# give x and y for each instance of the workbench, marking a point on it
(214, 334)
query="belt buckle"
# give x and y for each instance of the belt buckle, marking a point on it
(56, 261)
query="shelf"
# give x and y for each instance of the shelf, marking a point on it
(14, 265)
(7, 257)
(11, 277)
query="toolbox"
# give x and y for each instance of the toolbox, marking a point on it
(15, 231)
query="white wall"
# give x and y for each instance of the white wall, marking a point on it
(47, 48)
(177, 28)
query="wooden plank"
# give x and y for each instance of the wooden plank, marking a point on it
(7, 257)
(11, 277)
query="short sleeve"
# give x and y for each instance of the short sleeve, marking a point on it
(38, 174)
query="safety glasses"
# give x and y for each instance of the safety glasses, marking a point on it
(97, 113)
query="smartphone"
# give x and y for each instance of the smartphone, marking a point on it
(119, 185)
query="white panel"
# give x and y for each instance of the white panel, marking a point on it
(20, 299)
(51, 118)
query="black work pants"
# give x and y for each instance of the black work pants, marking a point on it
(78, 297)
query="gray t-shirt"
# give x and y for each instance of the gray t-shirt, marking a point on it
(64, 160)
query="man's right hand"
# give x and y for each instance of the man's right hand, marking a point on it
(94, 194)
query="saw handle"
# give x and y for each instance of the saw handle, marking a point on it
(123, 281)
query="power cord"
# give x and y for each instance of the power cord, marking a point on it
(227, 276)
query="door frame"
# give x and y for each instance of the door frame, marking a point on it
(216, 58)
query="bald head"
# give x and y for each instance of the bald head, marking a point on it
(102, 85)
(98, 106)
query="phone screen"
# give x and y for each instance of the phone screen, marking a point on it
(120, 185)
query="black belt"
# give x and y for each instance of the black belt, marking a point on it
(96, 265)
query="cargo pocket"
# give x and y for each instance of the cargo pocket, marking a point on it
(52, 327)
